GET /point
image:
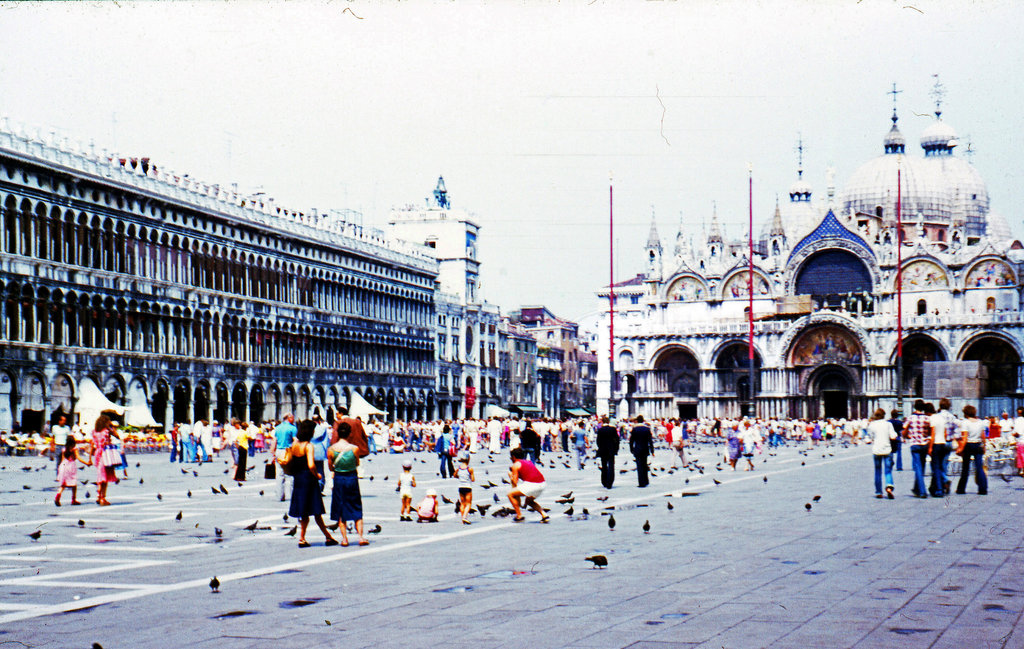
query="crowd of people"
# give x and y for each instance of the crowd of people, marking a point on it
(304, 452)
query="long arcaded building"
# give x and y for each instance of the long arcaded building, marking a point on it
(194, 300)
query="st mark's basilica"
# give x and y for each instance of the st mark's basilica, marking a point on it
(825, 299)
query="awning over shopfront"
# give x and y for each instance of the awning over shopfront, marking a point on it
(577, 412)
(492, 410)
(527, 411)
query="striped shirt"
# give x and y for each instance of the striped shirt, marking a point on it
(917, 429)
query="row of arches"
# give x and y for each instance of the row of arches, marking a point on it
(38, 315)
(831, 271)
(30, 399)
(76, 238)
(678, 370)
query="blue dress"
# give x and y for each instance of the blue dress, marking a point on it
(306, 498)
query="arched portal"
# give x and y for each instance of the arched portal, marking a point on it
(1001, 362)
(182, 402)
(256, 406)
(832, 386)
(33, 399)
(220, 412)
(677, 370)
(917, 350)
(239, 399)
(732, 367)
(201, 408)
(160, 399)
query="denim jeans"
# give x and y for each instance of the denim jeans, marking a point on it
(938, 486)
(883, 463)
(976, 452)
(899, 454)
(919, 454)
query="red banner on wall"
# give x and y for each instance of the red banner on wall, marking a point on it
(470, 397)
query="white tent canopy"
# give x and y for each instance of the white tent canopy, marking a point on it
(137, 413)
(92, 403)
(358, 407)
(492, 410)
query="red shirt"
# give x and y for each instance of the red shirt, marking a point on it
(528, 472)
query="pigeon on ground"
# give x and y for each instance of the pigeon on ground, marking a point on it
(215, 585)
(189, 493)
(286, 518)
(141, 481)
(35, 535)
(569, 512)
(178, 517)
(766, 478)
(807, 506)
(214, 490)
(716, 481)
(376, 529)
(223, 490)
(647, 527)
(159, 497)
(446, 500)
(219, 532)
(81, 523)
(599, 560)
(816, 498)
(496, 499)
(251, 528)
(292, 531)
(568, 495)
(611, 521)
(670, 507)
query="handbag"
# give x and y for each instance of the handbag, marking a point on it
(269, 471)
(110, 456)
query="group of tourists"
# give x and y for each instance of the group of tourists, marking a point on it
(935, 435)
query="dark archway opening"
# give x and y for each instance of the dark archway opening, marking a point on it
(831, 276)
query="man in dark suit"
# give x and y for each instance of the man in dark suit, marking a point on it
(641, 444)
(607, 447)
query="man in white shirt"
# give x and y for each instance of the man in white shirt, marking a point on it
(59, 435)
(942, 424)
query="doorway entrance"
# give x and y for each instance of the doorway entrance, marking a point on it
(834, 392)
(687, 411)
(835, 404)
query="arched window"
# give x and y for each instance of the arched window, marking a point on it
(922, 307)
(990, 305)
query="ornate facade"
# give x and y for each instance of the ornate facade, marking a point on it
(194, 300)
(825, 299)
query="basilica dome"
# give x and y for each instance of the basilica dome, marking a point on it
(939, 186)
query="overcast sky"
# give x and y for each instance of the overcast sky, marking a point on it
(524, 107)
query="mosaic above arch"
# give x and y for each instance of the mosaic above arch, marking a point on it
(736, 286)
(687, 289)
(989, 273)
(827, 344)
(922, 275)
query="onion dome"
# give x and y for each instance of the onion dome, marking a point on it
(939, 139)
(894, 141)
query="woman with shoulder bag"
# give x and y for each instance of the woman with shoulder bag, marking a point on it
(883, 435)
(306, 499)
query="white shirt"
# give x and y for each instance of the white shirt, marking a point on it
(975, 429)
(60, 435)
(1018, 426)
(940, 422)
(882, 431)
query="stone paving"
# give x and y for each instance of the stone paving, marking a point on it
(736, 565)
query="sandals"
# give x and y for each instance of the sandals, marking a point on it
(330, 542)
(303, 544)
(518, 519)
(545, 519)
(363, 542)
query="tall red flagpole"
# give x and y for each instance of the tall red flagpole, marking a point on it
(899, 290)
(611, 300)
(750, 283)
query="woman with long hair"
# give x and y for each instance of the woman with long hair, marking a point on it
(102, 433)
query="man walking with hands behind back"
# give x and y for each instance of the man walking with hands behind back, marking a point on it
(641, 444)
(607, 447)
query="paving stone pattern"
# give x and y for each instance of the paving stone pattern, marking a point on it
(742, 564)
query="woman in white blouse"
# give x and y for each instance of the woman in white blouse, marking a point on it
(882, 434)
